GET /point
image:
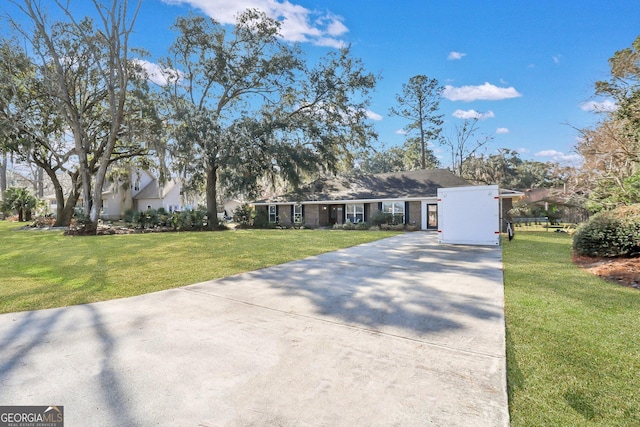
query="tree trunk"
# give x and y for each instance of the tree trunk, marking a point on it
(40, 183)
(3, 172)
(212, 195)
(96, 207)
(423, 160)
(64, 213)
(84, 172)
(64, 209)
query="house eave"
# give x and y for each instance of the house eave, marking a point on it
(504, 194)
(345, 201)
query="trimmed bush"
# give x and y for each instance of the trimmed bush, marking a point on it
(261, 219)
(131, 217)
(614, 233)
(348, 225)
(362, 226)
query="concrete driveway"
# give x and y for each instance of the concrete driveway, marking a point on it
(398, 332)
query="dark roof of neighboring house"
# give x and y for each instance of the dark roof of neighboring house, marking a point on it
(394, 185)
(558, 196)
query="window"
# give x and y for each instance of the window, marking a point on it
(273, 214)
(355, 212)
(297, 214)
(395, 210)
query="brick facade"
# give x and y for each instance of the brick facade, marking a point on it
(415, 213)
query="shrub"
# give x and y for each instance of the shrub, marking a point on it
(261, 219)
(164, 217)
(197, 219)
(610, 234)
(80, 224)
(242, 215)
(362, 226)
(190, 220)
(152, 218)
(379, 218)
(348, 225)
(130, 217)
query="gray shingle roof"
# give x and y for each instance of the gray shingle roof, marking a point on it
(394, 185)
(154, 190)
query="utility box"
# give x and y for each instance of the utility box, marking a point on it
(469, 215)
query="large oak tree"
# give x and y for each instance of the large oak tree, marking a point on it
(243, 105)
(85, 73)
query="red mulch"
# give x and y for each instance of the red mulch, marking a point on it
(624, 271)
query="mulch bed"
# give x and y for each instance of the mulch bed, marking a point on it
(624, 271)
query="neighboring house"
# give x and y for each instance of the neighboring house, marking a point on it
(410, 196)
(558, 202)
(143, 192)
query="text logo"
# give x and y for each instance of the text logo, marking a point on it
(31, 416)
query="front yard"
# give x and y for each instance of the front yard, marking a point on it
(44, 269)
(573, 347)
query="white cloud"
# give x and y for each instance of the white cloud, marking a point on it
(401, 132)
(599, 107)
(329, 42)
(549, 153)
(559, 156)
(556, 58)
(502, 130)
(373, 116)
(335, 26)
(473, 114)
(485, 92)
(455, 56)
(299, 24)
(156, 74)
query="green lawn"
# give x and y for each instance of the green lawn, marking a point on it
(573, 344)
(44, 269)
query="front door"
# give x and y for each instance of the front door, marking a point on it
(429, 215)
(337, 214)
(432, 216)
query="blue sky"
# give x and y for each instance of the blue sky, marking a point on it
(526, 68)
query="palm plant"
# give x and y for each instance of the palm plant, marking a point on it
(19, 200)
